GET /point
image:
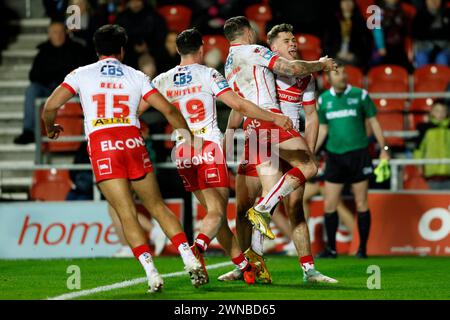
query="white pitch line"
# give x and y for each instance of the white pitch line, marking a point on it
(127, 283)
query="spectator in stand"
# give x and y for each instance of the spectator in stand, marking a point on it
(347, 37)
(434, 143)
(90, 21)
(209, 16)
(168, 56)
(55, 9)
(56, 57)
(146, 30)
(108, 10)
(306, 16)
(390, 38)
(431, 33)
(82, 180)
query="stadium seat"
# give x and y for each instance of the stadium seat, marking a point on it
(413, 180)
(308, 46)
(363, 5)
(178, 18)
(429, 78)
(409, 10)
(392, 121)
(216, 41)
(73, 126)
(388, 79)
(355, 77)
(50, 185)
(415, 118)
(71, 109)
(260, 14)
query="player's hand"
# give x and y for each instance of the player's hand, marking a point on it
(54, 131)
(328, 64)
(284, 122)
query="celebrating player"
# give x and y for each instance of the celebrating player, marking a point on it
(193, 88)
(110, 93)
(296, 97)
(250, 69)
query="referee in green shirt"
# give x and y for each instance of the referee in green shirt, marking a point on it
(343, 111)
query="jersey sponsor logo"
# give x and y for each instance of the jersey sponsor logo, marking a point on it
(182, 78)
(212, 175)
(289, 96)
(104, 166)
(110, 70)
(132, 143)
(220, 81)
(351, 101)
(146, 160)
(341, 114)
(195, 160)
(233, 73)
(266, 54)
(111, 85)
(107, 121)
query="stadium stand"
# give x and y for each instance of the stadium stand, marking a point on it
(308, 46)
(260, 14)
(216, 41)
(50, 185)
(177, 18)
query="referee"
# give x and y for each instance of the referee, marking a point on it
(343, 111)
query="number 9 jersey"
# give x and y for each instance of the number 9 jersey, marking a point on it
(109, 92)
(193, 89)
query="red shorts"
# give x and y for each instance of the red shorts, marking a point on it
(204, 170)
(264, 133)
(118, 153)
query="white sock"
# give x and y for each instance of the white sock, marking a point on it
(257, 242)
(280, 190)
(146, 261)
(186, 253)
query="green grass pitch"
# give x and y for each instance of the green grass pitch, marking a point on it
(401, 278)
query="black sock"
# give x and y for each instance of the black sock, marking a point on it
(363, 228)
(331, 225)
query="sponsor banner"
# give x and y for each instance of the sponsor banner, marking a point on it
(78, 229)
(408, 224)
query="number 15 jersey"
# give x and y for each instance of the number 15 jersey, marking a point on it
(193, 90)
(109, 92)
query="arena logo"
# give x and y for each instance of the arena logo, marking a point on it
(425, 224)
(58, 233)
(133, 143)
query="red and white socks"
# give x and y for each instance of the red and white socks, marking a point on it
(281, 189)
(202, 242)
(241, 262)
(142, 253)
(181, 243)
(307, 263)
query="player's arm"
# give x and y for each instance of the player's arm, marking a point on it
(234, 120)
(56, 100)
(251, 110)
(302, 68)
(311, 126)
(323, 132)
(378, 132)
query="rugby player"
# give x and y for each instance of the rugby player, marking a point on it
(297, 100)
(193, 88)
(250, 70)
(110, 93)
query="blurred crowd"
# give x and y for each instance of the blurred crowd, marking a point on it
(418, 26)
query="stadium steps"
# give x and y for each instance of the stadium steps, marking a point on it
(11, 103)
(28, 41)
(12, 152)
(20, 56)
(32, 26)
(13, 87)
(15, 72)
(12, 119)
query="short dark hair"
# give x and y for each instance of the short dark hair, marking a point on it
(109, 39)
(234, 27)
(276, 30)
(189, 41)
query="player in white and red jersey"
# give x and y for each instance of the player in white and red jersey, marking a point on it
(193, 88)
(297, 100)
(110, 93)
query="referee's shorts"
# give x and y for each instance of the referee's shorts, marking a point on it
(350, 167)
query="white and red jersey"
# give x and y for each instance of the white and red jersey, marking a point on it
(193, 90)
(294, 94)
(249, 71)
(109, 92)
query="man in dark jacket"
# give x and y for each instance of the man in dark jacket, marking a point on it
(56, 58)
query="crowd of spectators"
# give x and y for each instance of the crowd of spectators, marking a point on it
(339, 24)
